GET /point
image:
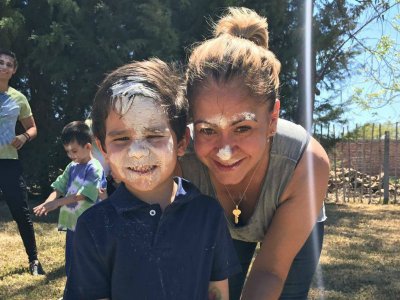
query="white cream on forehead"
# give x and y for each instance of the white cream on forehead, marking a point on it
(141, 113)
(224, 122)
(225, 153)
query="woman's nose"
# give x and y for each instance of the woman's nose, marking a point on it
(226, 146)
(138, 149)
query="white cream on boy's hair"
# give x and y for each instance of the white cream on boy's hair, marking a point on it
(131, 87)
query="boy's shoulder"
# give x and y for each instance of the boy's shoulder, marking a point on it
(97, 213)
(94, 164)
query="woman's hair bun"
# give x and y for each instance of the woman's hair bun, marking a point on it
(243, 23)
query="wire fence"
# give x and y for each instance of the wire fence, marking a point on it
(365, 162)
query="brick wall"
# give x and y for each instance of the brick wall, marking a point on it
(367, 156)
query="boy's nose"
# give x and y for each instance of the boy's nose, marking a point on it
(138, 149)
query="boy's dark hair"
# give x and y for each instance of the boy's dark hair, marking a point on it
(159, 78)
(76, 131)
(10, 54)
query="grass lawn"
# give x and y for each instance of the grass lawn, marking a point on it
(360, 259)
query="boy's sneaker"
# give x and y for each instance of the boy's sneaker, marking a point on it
(35, 268)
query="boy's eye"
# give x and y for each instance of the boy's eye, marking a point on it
(155, 136)
(120, 139)
(207, 131)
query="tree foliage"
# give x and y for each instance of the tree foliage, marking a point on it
(381, 64)
(66, 46)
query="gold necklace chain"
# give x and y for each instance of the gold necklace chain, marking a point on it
(236, 211)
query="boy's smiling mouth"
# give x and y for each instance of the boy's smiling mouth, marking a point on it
(143, 169)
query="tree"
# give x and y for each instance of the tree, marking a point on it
(66, 46)
(380, 64)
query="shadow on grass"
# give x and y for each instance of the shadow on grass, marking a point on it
(17, 271)
(32, 288)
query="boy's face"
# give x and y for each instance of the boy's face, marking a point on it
(141, 147)
(7, 67)
(77, 153)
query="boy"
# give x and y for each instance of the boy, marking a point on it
(15, 107)
(79, 183)
(156, 237)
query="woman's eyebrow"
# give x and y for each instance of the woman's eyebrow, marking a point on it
(233, 123)
(244, 118)
(203, 121)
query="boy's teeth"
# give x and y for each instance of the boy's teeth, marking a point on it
(141, 169)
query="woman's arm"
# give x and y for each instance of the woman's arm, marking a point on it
(290, 226)
(29, 134)
(218, 290)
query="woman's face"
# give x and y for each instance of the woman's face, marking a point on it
(231, 130)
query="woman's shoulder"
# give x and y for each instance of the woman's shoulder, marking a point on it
(189, 161)
(16, 95)
(194, 171)
(290, 140)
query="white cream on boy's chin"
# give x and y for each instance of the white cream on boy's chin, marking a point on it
(225, 153)
(223, 122)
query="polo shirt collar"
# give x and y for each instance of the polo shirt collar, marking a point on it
(123, 200)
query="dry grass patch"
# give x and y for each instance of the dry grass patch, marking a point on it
(15, 280)
(360, 258)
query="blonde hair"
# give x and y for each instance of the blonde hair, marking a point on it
(239, 50)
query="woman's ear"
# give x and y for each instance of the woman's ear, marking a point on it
(183, 143)
(274, 118)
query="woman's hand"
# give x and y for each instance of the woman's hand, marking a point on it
(19, 141)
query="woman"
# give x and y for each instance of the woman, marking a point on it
(269, 175)
(15, 107)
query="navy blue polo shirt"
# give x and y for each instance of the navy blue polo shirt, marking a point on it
(125, 248)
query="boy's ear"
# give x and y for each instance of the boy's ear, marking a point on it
(88, 146)
(98, 144)
(183, 143)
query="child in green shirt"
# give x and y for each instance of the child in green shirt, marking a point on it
(79, 184)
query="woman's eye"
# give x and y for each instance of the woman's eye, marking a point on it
(207, 131)
(242, 129)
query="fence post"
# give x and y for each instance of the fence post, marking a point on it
(396, 156)
(370, 167)
(386, 168)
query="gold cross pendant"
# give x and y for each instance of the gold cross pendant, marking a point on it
(236, 212)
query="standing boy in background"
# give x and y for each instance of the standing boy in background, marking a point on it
(79, 184)
(149, 239)
(15, 107)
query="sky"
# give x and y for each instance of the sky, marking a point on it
(355, 114)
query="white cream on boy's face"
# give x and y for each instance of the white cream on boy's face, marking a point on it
(141, 148)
